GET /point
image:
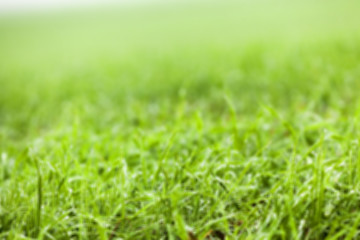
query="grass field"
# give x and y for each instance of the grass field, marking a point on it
(182, 121)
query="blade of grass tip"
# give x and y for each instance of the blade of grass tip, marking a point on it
(237, 138)
(165, 154)
(232, 110)
(284, 122)
(294, 136)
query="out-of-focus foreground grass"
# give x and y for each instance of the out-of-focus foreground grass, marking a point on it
(233, 120)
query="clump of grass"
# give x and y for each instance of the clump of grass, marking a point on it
(228, 140)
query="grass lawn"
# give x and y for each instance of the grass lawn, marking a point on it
(182, 121)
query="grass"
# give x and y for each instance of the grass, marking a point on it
(239, 121)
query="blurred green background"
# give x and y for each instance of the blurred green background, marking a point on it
(159, 48)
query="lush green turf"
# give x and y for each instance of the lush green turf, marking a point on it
(234, 121)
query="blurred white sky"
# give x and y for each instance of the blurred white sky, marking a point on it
(18, 6)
